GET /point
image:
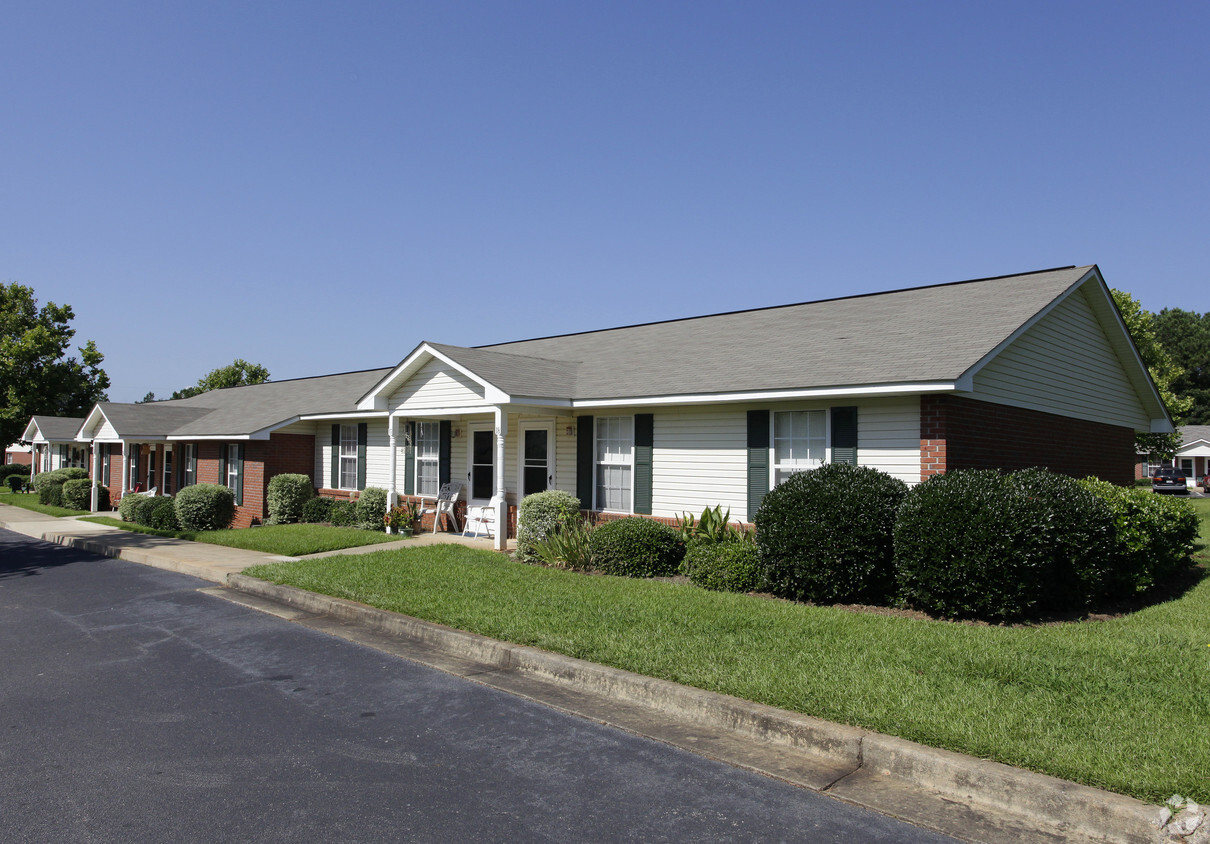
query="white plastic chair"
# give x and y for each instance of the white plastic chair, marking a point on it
(447, 497)
(482, 518)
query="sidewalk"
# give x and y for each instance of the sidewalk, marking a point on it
(970, 799)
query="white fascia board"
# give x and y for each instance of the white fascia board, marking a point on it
(774, 395)
(444, 412)
(95, 418)
(320, 417)
(31, 432)
(1197, 448)
(212, 437)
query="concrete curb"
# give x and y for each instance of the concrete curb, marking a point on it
(868, 764)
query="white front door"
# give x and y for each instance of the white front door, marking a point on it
(481, 459)
(536, 460)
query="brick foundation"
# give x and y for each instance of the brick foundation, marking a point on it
(961, 433)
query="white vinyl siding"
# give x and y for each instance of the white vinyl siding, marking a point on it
(1064, 365)
(437, 384)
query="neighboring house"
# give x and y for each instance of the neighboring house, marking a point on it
(664, 418)
(53, 444)
(18, 453)
(1193, 456)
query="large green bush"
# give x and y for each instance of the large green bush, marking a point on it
(8, 469)
(317, 510)
(984, 544)
(635, 547)
(1153, 535)
(127, 504)
(58, 476)
(342, 514)
(144, 509)
(286, 496)
(77, 494)
(538, 515)
(162, 514)
(51, 494)
(205, 507)
(371, 507)
(723, 566)
(826, 535)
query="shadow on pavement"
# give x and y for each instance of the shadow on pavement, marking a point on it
(23, 557)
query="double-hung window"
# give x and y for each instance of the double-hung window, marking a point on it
(800, 442)
(189, 466)
(428, 458)
(614, 462)
(348, 456)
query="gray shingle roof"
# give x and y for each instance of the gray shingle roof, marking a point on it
(924, 334)
(1193, 433)
(58, 427)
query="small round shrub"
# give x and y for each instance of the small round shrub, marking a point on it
(77, 494)
(205, 507)
(1153, 536)
(51, 494)
(342, 514)
(162, 514)
(724, 566)
(317, 510)
(127, 504)
(635, 547)
(994, 546)
(371, 507)
(826, 535)
(540, 513)
(286, 496)
(58, 476)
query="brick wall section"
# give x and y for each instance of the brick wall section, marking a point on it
(961, 433)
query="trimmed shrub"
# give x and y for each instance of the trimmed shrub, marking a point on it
(58, 476)
(286, 496)
(51, 494)
(144, 508)
(826, 535)
(205, 507)
(1153, 536)
(538, 515)
(8, 470)
(127, 504)
(635, 547)
(317, 510)
(723, 566)
(342, 514)
(371, 507)
(994, 546)
(162, 513)
(77, 494)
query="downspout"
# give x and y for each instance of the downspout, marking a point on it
(392, 434)
(125, 468)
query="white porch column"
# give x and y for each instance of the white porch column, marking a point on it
(392, 433)
(125, 467)
(500, 499)
(95, 477)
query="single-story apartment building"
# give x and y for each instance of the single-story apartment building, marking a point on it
(663, 418)
(1193, 456)
(53, 444)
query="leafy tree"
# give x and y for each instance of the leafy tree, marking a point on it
(1185, 335)
(1164, 372)
(35, 375)
(237, 374)
(150, 397)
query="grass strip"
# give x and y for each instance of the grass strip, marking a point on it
(284, 540)
(29, 501)
(1117, 704)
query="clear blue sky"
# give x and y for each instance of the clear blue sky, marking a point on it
(318, 187)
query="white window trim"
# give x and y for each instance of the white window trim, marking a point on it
(774, 466)
(433, 461)
(341, 457)
(596, 464)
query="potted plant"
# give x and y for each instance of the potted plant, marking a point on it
(401, 519)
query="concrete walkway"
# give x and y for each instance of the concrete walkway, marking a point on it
(970, 799)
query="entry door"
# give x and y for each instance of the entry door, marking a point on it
(537, 467)
(482, 472)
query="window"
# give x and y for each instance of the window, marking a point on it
(800, 442)
(233, 466)
(189, 466)
(133, 480)
(169, 478)
(231, 469)
(614, 462)
(151, 469)
(348, 457)
(428, 458)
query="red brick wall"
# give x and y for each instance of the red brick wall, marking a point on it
(962, 433)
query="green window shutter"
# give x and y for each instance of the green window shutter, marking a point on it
(644, 435)
(584, 455)
(237, 454)
(193, 462)
(362, 436)
(335, 459)
(222, 464)
(844, 435)
(409, 459)
(758, 459)
(443, 452)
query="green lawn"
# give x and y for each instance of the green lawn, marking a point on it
(1119, 704)
(29, 501)
(286, 540)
